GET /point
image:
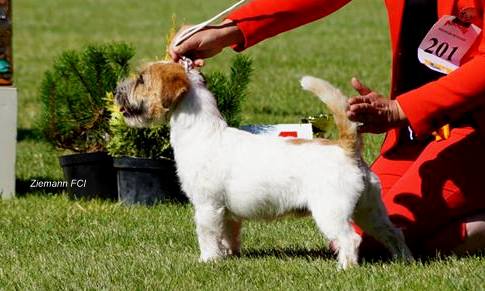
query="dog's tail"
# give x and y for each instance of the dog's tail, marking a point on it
(349, 138)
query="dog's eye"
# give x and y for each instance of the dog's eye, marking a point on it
(140, 79)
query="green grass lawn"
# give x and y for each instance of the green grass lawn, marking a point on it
(55, 243)
(50, 242)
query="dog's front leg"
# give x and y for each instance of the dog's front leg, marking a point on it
(209, 220)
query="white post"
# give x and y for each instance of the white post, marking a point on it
(8, 140)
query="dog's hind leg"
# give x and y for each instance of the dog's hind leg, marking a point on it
(381, 228)
(209, 220)
(334, 223)
(231, 237)
(371, 216)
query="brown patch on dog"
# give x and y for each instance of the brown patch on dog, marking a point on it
(348, 145)
(160, 86)
(348, 137)
(173, 83)
(319, 141)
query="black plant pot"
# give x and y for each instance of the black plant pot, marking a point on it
(147, 181)
(90, 175)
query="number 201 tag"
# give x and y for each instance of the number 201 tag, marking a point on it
(446, 43)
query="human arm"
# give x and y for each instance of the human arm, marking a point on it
(448, 98)
(426, 108)
(252, 23)
(455, 95)
(262, 19)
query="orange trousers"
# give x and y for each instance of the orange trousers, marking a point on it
(429, 189)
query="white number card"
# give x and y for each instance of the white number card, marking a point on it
(446, 43)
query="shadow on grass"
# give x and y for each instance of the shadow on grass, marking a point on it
(29, 134)
(433, 258)
(30, 187)
(282, 253)
(325, 254)
(420, 258)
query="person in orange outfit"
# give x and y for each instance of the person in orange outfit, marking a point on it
(432, 159)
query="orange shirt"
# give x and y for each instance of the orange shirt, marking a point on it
(428, 107)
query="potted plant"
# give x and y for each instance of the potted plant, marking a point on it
(143, 157)
(143, 160)
(75, 118)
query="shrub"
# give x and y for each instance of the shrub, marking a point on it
(148, 143)
(230, 91)
(74, 109)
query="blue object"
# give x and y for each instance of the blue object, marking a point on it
(4, 66)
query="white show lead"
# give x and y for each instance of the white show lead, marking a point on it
(196, 28)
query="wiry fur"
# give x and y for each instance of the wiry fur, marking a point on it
(231, 175)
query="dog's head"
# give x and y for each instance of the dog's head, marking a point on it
(147, 97)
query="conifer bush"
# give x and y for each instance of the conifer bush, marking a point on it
(75, 113)
(230, 91)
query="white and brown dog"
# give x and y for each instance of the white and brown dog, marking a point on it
(231, 175)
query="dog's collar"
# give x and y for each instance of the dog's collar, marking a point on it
(187, 63)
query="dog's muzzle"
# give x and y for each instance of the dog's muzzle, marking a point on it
(121, 93)
(121, 99)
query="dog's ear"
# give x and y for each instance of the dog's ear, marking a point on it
(175, 84)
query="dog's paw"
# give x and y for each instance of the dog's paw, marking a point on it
(234, 253)
(404, 255)
(209, 258)
(347, 263)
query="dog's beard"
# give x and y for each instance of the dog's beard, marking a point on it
(137, 115)
(141, 121)
(137, 122)
(133, 114)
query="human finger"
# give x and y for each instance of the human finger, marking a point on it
(359, 87)
(186, 46)
(199, 62)
(359, 116)
(362, 107)
(365, 128)
(175, 57)
(358, 99)
(177, 51)
(361, 113)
